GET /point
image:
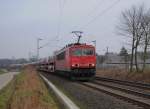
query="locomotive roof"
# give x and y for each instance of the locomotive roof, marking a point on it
(73, 45)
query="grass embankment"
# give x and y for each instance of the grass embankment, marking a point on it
(2, 71)
(29, 93)
(125, 75)
(6, 93)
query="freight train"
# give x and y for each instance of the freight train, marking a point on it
(76, 61)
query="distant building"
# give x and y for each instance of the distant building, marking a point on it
(111, 60)
(4, 63)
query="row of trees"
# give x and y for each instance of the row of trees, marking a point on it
(135, 24)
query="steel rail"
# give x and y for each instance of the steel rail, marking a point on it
(127, 90)
(141, 101)
(123, 82)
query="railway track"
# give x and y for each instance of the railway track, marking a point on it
(128, 83)
(137, 93)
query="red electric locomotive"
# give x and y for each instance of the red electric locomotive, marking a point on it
(76, 60)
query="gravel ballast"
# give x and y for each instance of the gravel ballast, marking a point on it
(87, 98)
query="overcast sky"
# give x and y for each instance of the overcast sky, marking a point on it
(23, 21)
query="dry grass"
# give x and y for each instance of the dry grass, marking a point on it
(6, 93)
(125, 75)
(30, 92)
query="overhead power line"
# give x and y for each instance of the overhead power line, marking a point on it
(101, 13)
(96, 7)
(61, 8)
(95, 18)
(49, 42)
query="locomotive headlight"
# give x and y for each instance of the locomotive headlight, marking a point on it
(92, 65)
(75, 65)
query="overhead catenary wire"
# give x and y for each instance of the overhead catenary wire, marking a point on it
(95, 8)
(61, 8)
(61, 4)
(46, 44)
(91, 12)
(100, 14)
(59, 18)
(56, 38)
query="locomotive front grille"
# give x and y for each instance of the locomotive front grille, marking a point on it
(83, 72)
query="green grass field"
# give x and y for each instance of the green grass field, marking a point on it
(6, 93)
(2, 71)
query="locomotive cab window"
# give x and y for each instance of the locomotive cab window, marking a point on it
(82, 52)
(87, 52)
(77, 52)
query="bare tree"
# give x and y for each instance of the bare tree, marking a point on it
(131, 26)
(146, 36)
(127, 28)
(139, 32)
